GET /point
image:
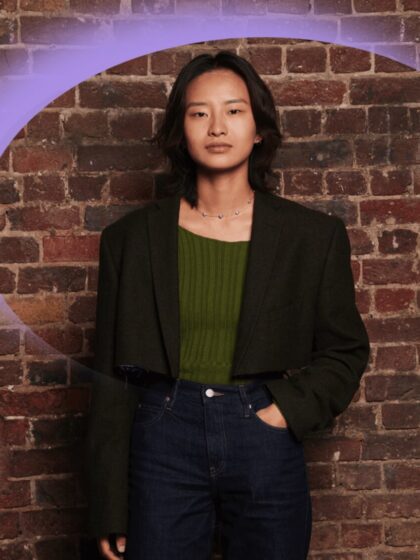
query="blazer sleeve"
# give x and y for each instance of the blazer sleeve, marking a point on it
(310, 398)
(112, 410)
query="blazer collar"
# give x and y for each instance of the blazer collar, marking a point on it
(163, 238)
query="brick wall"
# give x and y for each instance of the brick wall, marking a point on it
(351, 124)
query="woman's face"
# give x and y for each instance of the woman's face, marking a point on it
(218, 110)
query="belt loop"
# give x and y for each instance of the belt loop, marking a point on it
(172, 394)
(245, 401)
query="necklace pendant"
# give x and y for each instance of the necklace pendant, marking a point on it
(220, 216)
(236, 212)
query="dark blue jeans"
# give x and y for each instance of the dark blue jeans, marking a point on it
(201, 450)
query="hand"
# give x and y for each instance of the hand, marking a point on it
(272, 415)
(104, 546)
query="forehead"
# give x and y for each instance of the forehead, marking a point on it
(215, 84)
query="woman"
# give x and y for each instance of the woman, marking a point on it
(207, 301)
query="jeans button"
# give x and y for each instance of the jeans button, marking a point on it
(209, 392)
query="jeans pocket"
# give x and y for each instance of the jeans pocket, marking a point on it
(263, 403)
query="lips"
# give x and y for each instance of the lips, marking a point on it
(218, 146)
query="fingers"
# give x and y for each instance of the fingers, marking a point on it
(106, 549)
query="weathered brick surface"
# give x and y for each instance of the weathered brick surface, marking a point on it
(350, 122)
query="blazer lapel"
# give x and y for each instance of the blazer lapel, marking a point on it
(163, 238)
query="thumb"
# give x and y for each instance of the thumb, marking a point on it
(121, 543)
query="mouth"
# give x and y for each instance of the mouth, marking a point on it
(218, 147)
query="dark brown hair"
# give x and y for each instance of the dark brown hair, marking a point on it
(170, 135)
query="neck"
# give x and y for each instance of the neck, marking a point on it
(222, 194)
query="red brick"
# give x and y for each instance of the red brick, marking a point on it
(374, 5)
(120, 158)
(84, 187)
(288, 7)
(405, 52)
(7, 281)
(45, 125)
(43, 5)
(244, 7)
(320, 476)
(384, 29)
(332, 6)
(356, 419)
(90, 124)
(393, 387)
(13, 61)
(357, 535)
(410, 5)
(389, 211)
(393, 270)
(306, 59)
(169, 61)
(106, 7)
(392, 504)
(371, 151)
(301, 122)
(302, 182)
(9, 525)
(46, 187)
(345, 121)
(345, 183)
(335, 506)
(136, 66)
(400, 415)
(53, 492)
(404, 151)
(33, 402)
(15, 494)
(8, 31)
(396, 358)
(394, 330)
(411, 29)
(131, 185)
(74, 248)
(390, 182)
(33, 218)
(57, 30)
(403, 533)
(101, 94)
(18, 249)
(9, 341)
(332, 449)
(51, 522)
(44, 341)
(387, 446)
(378, 118)
(324, 536)
(52, 279)
(10, 371)
(62, 548)
(402, 476)
(307, 92)
(131, 126)
(391, 301)
(349, 60)
(27, 159)
(358, 476)
(367, 91)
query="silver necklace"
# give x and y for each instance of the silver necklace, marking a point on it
(220, 215)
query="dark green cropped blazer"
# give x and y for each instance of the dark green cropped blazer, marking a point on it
(298, 317)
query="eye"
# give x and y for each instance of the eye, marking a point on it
(235, 110)
(198, 113)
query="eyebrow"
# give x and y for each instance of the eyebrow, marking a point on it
(194, 103)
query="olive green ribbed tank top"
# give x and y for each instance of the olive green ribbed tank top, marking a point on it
(211, 281)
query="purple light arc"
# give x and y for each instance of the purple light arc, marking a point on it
(62, 69)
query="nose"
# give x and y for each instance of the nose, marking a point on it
(217, 125)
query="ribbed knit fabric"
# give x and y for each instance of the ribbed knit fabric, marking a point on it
(211, 280)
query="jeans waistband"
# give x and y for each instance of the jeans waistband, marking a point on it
(196, 390)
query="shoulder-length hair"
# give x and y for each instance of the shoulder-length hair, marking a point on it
(170, 134)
